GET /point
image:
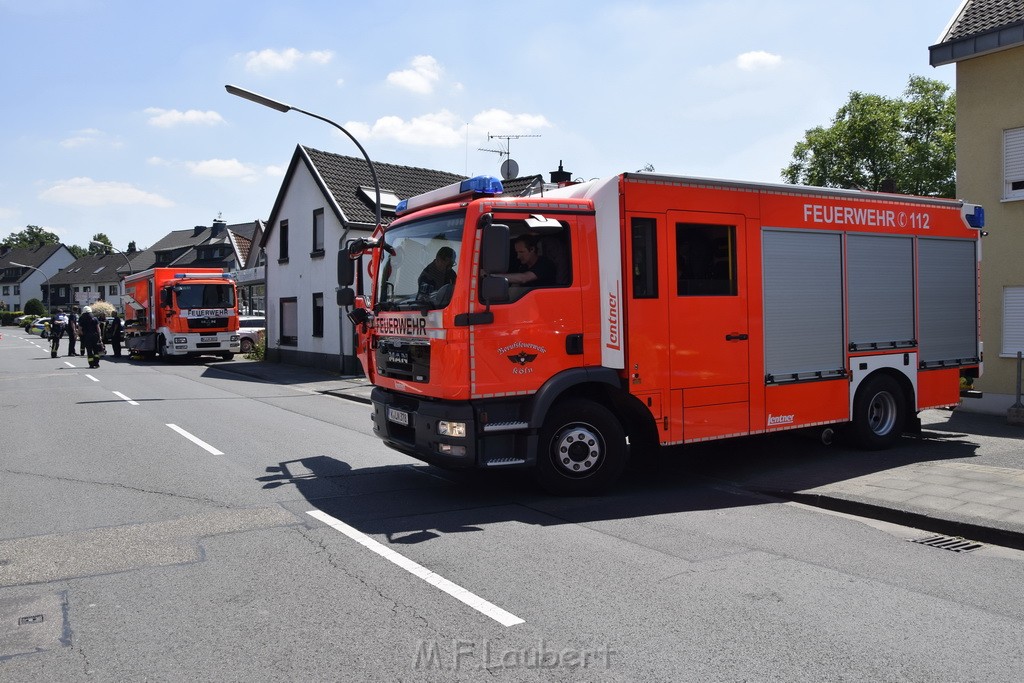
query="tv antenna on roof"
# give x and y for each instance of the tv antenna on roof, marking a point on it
(509, 167)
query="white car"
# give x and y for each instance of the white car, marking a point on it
(249, 329)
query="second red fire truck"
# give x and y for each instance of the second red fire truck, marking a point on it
(673, 310)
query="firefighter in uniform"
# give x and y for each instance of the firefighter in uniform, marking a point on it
(91, 336)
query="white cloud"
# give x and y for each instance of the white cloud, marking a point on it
(757, 60)
(88, 192)
(166, 118)
(222, 168)
(420, 79)
(267, 61)
(445, 129)
(89, 136)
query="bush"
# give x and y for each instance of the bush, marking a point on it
(259, 350)
(7, 317)
(35, 307)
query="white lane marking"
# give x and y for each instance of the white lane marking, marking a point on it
(123, 397)
(69, 364)
(196, 440)
(458, 592)
(96, 380)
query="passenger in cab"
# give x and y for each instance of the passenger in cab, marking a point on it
(438, 272)
(536, 270)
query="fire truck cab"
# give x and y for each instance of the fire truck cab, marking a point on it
(664, 310)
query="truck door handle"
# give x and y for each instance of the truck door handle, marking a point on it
(735, 337)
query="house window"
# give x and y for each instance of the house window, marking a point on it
(290, 322)
(1013, 321)
(62, 292)
(1013, 163)
(17, 289)
(103, 291)
(318, 314)
(318, 233)
(282, 249)
(7, 290)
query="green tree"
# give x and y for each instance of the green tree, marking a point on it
(103, 239)
(77, 251)
(30, 237)
(905, 145)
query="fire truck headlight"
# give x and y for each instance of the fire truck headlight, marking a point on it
(181, 340)
(234, 337)
(455, 429)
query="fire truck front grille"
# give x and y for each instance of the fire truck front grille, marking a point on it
(206, 323)
(404, 360)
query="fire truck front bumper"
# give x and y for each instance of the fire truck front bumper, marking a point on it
(444, 433)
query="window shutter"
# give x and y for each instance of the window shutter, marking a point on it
(1013, 163)
(1013, 320)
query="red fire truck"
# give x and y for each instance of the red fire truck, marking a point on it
(182, 312)
(666, 310)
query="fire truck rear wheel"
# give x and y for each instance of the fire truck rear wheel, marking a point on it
(582, 449)
(879, 413)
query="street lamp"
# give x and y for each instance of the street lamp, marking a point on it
(49, 294)
(282, 107)
(94, 243)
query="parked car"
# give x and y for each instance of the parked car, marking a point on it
(24, 320)
(38, 326)
(249, 329)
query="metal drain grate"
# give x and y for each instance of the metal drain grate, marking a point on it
(957, 545)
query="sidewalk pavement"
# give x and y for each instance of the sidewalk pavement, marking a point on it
(964, 477)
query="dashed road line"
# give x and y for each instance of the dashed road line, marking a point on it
(95, 380)
(125, 398)
(458, 592)
(196, 440)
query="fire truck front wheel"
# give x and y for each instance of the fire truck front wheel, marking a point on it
(582, 449)
(879, 413)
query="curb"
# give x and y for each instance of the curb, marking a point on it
(948, 527)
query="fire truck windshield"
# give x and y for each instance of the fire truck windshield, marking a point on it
(195, 295)
(421, 273)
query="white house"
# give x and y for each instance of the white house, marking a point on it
(324, 200)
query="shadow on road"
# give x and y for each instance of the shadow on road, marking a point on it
(416, 503)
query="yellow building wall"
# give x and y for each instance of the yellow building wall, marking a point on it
(990, 99)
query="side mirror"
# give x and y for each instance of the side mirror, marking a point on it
(346, 296)
(494, 290)
(346, 267)
(494, 248)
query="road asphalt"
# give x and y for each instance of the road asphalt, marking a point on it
(972, 489)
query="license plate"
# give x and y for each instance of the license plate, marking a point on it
(207, 339)
(398, 416)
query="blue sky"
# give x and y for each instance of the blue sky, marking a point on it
(115, 118)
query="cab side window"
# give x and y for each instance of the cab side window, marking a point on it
(706, 260)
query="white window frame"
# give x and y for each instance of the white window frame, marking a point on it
(1013, 321)
(1013, 163)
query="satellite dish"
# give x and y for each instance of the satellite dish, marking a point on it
(509, 169)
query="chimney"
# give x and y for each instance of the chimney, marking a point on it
(219, 227)
(561, 176)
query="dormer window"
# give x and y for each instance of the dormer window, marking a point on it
(388, 199)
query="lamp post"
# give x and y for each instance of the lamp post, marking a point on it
(94, 243)
(282, 107)
(49, 297)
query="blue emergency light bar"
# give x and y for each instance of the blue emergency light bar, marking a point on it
(481, 184)
(975, 219)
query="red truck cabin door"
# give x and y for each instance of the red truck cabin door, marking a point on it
(708, 324)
